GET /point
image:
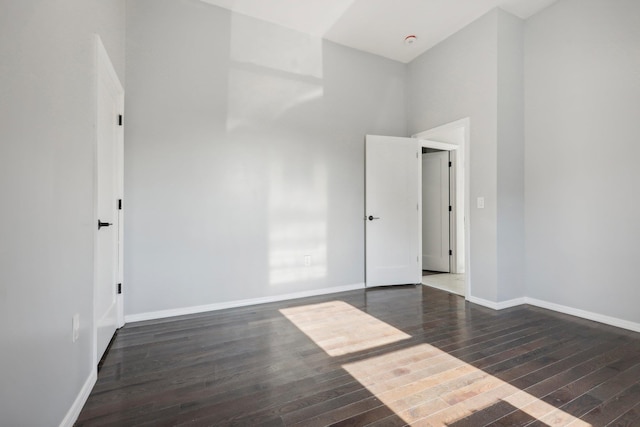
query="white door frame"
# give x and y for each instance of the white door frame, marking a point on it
(104, 67)
(454, 137)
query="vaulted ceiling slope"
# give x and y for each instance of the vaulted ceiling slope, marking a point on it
(379, 26)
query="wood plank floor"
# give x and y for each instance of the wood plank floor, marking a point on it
(384, 357)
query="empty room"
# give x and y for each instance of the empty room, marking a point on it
(319, 212)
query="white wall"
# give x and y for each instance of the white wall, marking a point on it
(582, 177)
(458, 79)
(46, 187)
(477, 73)
(510, 158)
(244, 152)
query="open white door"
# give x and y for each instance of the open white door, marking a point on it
(435, 211)
(392, 211)
(109, 154)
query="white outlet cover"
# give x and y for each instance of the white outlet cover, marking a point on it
(480, 202)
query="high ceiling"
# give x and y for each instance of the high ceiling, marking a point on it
(379, 26)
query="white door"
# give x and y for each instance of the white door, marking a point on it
(435, 211)
(392, 200)
(109, 190)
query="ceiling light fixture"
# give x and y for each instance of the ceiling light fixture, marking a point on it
(410, 39)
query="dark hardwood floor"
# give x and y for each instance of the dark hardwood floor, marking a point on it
(383, 357)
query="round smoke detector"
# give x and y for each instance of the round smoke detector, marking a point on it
(410, 39)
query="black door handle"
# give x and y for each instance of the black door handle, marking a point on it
(103, 224)
(371, 217)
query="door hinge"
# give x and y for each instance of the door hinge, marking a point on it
(119, 288)
(450, 209)
(119, 204)
(119, 119)
(449, 164)
(450, 252)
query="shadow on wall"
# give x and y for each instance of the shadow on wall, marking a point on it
(268, 85)
(263, 159)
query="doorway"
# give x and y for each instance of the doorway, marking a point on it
(393, 226)
(436, 211)
(449, 140)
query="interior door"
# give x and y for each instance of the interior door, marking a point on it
(392, 197)
(435, 211)
(109, 190)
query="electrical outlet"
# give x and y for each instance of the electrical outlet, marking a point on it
(480, 202)
(75, 327)
(307, 260)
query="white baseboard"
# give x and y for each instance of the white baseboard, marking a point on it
(608, 320)
(81, 399)
(601, 318)
(497, 305)
(238, 303)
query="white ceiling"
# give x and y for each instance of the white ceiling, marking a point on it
(379, 26)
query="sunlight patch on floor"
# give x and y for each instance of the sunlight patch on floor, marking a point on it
(422, 384)
(426, 386)
(340, 328)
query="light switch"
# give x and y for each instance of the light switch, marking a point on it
(480, 202)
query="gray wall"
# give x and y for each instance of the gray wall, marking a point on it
(510, 157)
(477, 73)
(458, 79)
(244, 152)
(47, 112)
(582, 106)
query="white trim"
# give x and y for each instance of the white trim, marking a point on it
(445, 146)
(589, 315)
(497, 305)
(584, 314)
(462, 123)
(81, 399)
(238, 303)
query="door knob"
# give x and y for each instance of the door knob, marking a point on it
(103, 224)
(371, 217)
